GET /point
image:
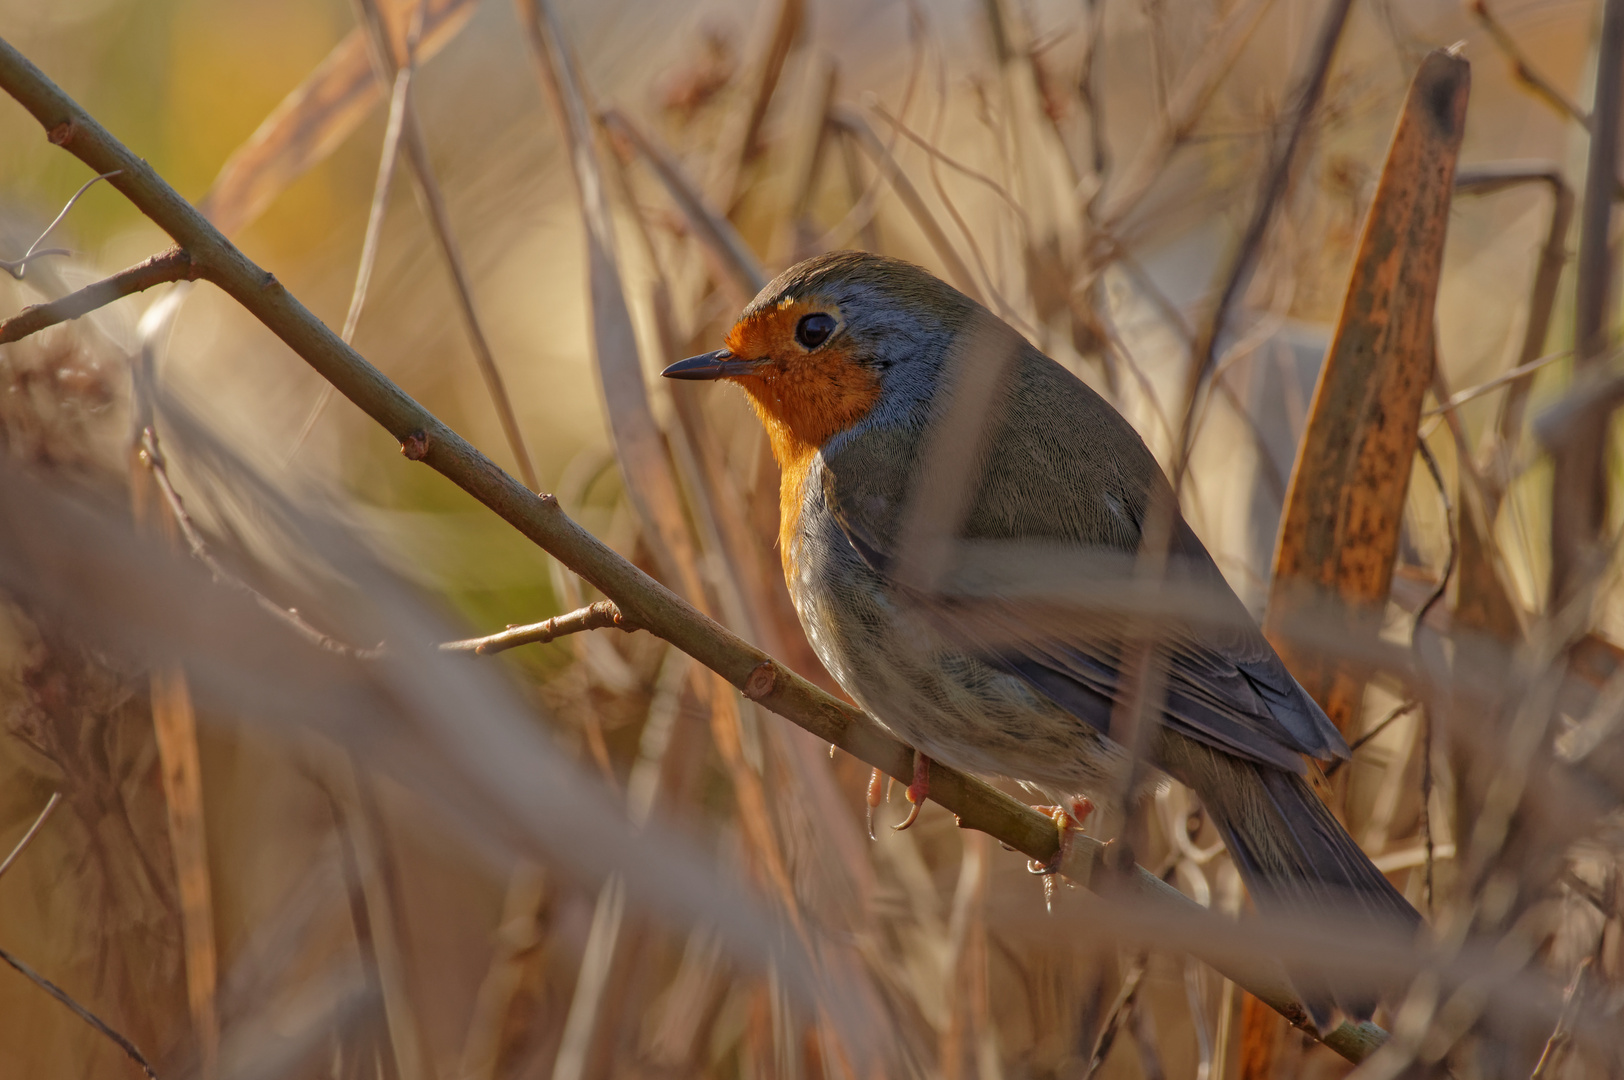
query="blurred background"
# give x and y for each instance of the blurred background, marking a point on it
(1085, 167)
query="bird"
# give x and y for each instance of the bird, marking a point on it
(858, 366)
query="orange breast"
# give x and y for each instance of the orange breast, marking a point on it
(803, 399)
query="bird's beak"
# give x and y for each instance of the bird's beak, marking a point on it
(720, 364)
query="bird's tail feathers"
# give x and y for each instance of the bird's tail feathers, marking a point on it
(1296, 858)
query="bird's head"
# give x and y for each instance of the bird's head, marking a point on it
(833, 339)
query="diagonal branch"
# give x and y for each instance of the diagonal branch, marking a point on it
(172, 265)
(640, 598)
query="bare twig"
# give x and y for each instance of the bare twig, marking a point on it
(858, 130)
(80, 1011)
(434, 205)
(152, 457)
(539, 518)
(741, 269)
(171, 265)
(1524, 70)
(1472, 393)
(19, 268)
(33, 830)
(598, 615)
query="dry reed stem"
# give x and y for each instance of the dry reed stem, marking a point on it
(387, 67)
(1524, 69)
(318, 115)
(388, 158)
(539, 518)
(1580, 495)
(1339, 529)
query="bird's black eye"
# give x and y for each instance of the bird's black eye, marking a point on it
(813, 330)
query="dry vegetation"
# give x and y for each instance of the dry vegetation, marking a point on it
(282, 832)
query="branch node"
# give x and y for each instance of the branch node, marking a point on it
(415, 446)
(63, 133)
(549, 500)
(761, 681)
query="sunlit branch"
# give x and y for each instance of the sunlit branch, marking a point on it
(172, 265)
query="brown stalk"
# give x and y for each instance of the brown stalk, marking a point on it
(1339, 529)
(171, 265)
(540, 519)
(1579, 496)
(434, 205)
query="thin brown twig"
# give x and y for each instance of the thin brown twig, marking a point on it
(1524, 69)
(171, 265)
(19, 268)
(33, 830)
(741, 269)
(80, 1011)
(857, 129)
(434, 206)
(152, 457)
(649, 604)
(598, 615)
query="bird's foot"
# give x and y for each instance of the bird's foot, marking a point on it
(1070, 817)
(917, 791)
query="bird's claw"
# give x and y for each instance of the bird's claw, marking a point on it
(1068, 818)
(917, 791)
(876, 792)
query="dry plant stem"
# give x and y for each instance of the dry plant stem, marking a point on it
(1524, 70)
(1579, 494)
(417, 155)
(152, 457)
(388, 159)
(172, 265)
(855, 127)
(599, 615)
(80, 1011)
(1275, 181)
(33, 831)
(1553, 257)
(639, 597)
(20, 268)
(742, 271)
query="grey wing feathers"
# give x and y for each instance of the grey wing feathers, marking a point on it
(1087, 492)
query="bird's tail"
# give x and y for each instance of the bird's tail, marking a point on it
(1296, 858)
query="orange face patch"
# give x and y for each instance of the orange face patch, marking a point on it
(804, 396)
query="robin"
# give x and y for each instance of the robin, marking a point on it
(858, 367)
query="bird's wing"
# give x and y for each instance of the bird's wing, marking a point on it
(1051, 535)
